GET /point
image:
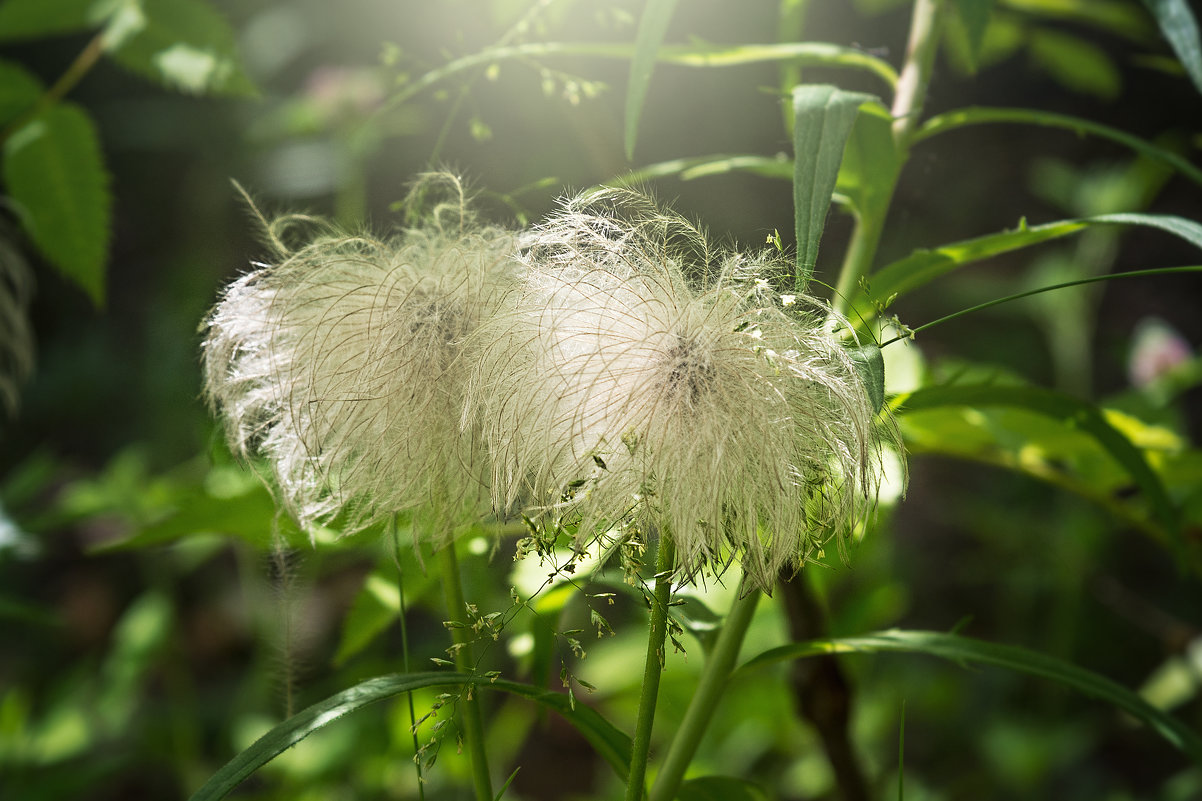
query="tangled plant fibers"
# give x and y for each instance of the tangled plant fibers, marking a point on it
(639, 375)
(338, 364)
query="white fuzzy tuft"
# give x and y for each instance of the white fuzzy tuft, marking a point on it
(640, 375)
(339, 366)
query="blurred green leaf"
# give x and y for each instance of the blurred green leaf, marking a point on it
(697, 619)
(965, 649)
(1075, 63)
(653, 27)
(55, 173)
(1180, 29)
(19, 91)
(972, 18)
(184, 45)
(376, 605)
(923, 266)
(1073, 413)
(1119, 17)
(704, 166)
(977, 115)
(27, 19)
(609, 742)
(251, 517)
(822, 119)
(871, 162)
(693, 55)
(719, 788)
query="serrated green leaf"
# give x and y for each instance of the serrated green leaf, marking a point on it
(870, 364)
(977, 115)
(822, 119)
(923, 266)
(19, 91)
(720, 788)
(972, 17)
(965, 649)
(184, 45)
(1069, 411)
(607, 741)
(28, 19)
(653, 26)
(54, 171)
(1180, 28)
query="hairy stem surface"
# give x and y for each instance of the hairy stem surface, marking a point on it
(908, 101)
(705, 700)
(473, 725)
(654, 666)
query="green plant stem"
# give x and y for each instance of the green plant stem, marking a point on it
(84, 62)
(652, 669)
(908, 101)
(861, 250)
(473, 725)
(705, 700)
(915, 76)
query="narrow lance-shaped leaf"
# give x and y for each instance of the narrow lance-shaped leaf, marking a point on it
(54, 172)
(688, 169)
(923, 266)
(966, 649)
(822, 119)
(1077, 414)
(979, 115)
(609, 742)
(653, 26)
(1180, 29)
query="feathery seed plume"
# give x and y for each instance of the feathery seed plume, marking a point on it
(641, 375)
(338, 364)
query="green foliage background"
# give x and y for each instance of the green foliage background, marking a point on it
(157, 615)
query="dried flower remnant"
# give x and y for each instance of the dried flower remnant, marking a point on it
(640, 374)
(338, 365)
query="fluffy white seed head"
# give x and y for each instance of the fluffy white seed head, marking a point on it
(339, 366)
(641, 375)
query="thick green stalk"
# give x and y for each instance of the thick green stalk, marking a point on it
(908, 101)
(705, 700)
(473, 725)
(654, 665)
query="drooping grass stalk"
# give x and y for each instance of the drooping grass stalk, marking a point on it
(405, 664)
(652, 669)
(709, 692)
(908, 101)
(998, 301)
(473, 725)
